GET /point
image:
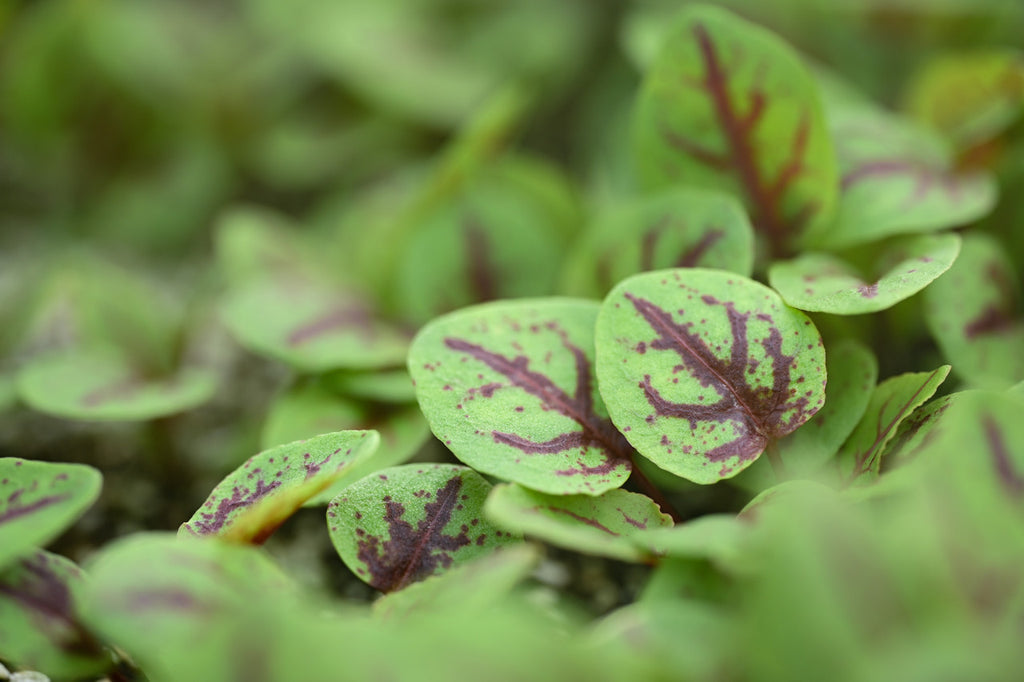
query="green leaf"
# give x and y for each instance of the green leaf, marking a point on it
(974, 314)
(717, 537)
(252, 242)
(827, 283)
(257, 497)
(679, 228)
(307, 410)
(39, 500)
(311, 326)
(384, 386)
(39, 625)
(727, 105)
(970, 97)
(897, 179)
(508, 387)
(403, 524)
(918, 433)
(601, 525)
(892, 401)
(102, 384)
(702, 369)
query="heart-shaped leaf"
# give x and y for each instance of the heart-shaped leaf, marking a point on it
(727, 105)
(39, 625)
(257, 497)
(974, 313)
(679, 228)
(702, 369)
(827, 283)
(601, 525)
(897, 179)
(892, 401)
(403, 524)
(39, 500)
(104, 385)
(311, 326)
(509, 388)
(310, 409)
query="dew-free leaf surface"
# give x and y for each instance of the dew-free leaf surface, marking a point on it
(601, 525)
(728, 105)
(39, 624)
(677, 228)
(256, 498)
(974, 313)
(826, 283)
(403, 524)
(509, 388)
(104, 385)
(892, 401)
(38, 500)
(385, 386)
(702, 369)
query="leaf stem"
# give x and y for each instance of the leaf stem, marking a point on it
(652, 491)
(775, 459)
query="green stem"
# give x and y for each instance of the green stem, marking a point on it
(775, 459)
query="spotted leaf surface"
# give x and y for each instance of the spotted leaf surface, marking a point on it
(403, 524)
(39, 500)
(892, 401)
(678, 228)
(311, 326)
(826, 283)
(39, 625)
(918, 433)
(509, 388)
(974, 313)
(256, 498)
(702, 369)
(897, 179)
(309, 409)
(103, 385)
(727, 105)
(602, 525)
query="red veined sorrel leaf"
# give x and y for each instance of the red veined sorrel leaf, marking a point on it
(727, 105)
(403, 524)
(508, 387)
(702, 369)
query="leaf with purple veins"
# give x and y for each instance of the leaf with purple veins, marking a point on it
(509, 388)
(701, 369)
(403, 524)
(39, 500)
(256, 498)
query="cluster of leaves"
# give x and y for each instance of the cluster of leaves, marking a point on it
(771, 285)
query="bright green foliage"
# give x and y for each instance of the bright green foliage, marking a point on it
(403, 524)
(102, 385)
(311, 326)
(509, 388)
(727, 105)
(384, 386)
(701, 370)
(677, 228)
(603, 525)
(715, 537)
(39, 625)
(971, 97)
(916, 433)
(827, 283)
(975, 316)
(893, 401)
(897, 178)
(39, 500)
(252, 243)
(257, 497)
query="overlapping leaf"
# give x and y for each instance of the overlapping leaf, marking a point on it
(39, 623)
(102, 384)
(509, 388)
(38, 500)
(827, 283)
(702, 369)
(602, 524)
(679, 228)
(727, 105)
(403, 524)
(974, 313)
(256, 498)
